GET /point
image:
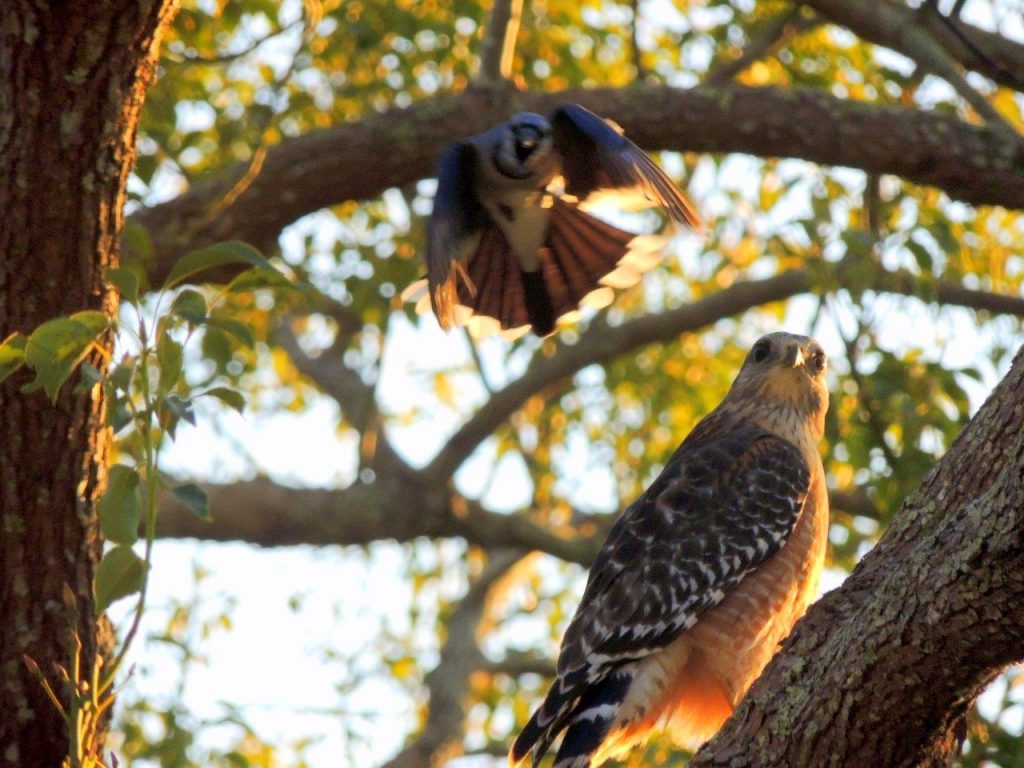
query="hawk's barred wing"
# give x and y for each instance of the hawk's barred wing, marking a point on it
(722, 506)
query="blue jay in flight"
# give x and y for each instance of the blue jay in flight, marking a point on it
(504, 246)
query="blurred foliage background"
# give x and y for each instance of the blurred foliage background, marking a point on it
(437, 640)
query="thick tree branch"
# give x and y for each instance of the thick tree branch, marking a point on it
(301, 175)
(929, 617)
(266, 514)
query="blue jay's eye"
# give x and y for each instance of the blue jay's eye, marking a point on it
(761, 351)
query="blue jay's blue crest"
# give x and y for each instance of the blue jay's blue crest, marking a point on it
(505, 249)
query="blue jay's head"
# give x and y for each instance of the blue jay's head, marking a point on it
(524, 144)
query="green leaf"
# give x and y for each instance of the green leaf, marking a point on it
(217, 347)
(12, 354)
(89, 377)
(120, 508)
(921, 256)
(136, 238)
(195, 497)
(121, 377)
(90, 373)
(176, 409)
(119, 574)
(190, 305)
(92, 319)
(228, 396)
(57, 346)
(126, 281)
(181, 408)
(236, 328)
(231, 252)
(171, 357)
(258, 277)
(119, 415)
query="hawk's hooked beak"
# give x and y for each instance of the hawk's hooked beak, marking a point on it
(794, 356)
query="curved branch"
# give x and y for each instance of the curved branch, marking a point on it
(266, 514)
(895, 26)
(601, 343)
(996, 57)
(882, 22)
(304, 174)
(929, 617)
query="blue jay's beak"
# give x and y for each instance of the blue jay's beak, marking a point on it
(527, 140)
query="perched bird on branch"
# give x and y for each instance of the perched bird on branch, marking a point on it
(506, 243)
(703, 575)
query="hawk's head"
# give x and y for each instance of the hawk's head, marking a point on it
(783, 369)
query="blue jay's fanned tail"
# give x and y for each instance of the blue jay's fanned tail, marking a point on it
(581, 249)
(538, 302)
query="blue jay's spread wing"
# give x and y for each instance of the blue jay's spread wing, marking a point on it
(455, 226)
(724, 504)
(596, 156)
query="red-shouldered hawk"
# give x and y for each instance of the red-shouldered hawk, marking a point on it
(703, 575)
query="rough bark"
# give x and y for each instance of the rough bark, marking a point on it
(72, 86)
(882, 670)
(978, 165)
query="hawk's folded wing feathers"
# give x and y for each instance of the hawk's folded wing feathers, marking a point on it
(723, 505)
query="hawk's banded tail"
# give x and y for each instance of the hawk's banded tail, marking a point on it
(586, 724)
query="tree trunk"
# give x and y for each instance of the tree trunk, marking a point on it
(73, 80)
(882, 670)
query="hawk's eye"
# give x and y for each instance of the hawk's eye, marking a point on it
(818, 358)
(761, 351)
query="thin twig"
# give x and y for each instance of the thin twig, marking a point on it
(773, 34)
(638, 59)
(227, 58)
(499, 44)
